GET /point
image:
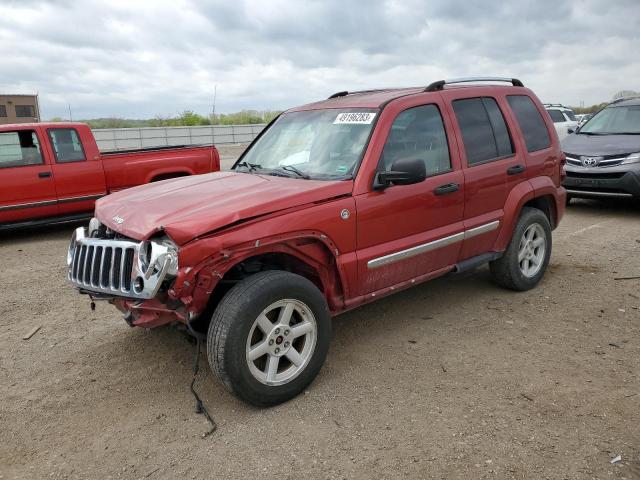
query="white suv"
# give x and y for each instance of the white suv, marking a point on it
(563, 119)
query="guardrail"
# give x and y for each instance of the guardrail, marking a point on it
(130, 138)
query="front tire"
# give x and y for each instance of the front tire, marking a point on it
(524, 262)
(269, 337)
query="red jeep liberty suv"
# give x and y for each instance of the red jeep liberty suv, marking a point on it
(335, 204)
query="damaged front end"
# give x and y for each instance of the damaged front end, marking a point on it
(132, 275)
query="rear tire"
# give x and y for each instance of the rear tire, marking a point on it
(269, 337)
(524, 262)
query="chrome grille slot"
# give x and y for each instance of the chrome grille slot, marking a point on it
(110, 266)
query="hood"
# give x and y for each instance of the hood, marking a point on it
(191, 206)
(600, 145)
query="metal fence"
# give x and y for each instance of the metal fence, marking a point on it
(130, 138)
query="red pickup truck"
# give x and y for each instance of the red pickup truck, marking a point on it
(335, 204)
(54, 172)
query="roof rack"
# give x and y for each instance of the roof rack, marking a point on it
(439, 85)
(553, 105)
(345, 93)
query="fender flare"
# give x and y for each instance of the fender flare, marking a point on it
(519, 195)
(194, 286)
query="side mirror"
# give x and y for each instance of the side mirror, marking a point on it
(571, 130)
(404, 171)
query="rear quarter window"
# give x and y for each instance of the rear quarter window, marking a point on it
(536, 135)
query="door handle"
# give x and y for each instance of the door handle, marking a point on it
(44, 174)
(515, 169)
(447, 188)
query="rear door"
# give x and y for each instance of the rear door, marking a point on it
(77, 169)
(27, 186)
(491, 166)
(408, 231)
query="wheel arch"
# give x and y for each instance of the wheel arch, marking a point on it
(310, 255)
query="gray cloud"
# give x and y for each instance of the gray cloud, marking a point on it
(146, 58)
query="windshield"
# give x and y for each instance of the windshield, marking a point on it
(318, 144)
(614, 120)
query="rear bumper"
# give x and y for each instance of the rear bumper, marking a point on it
(602, 184)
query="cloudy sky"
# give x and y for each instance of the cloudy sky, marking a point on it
(140, 59)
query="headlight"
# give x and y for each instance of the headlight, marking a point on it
(156, 255)
(632, 158)
(78, 234)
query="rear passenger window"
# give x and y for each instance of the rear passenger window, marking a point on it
(484, 131)
(536, 135)
(418, 132)
(556, 116)
(66, 145)
(19, 149)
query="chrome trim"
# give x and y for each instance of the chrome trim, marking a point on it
(134, 259)
(609, 162)
(46, 203)
(591, 193)
(19, 206)
(433, 245)
(487, 227)
(79, 199)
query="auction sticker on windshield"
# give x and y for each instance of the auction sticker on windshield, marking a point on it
(362, 118)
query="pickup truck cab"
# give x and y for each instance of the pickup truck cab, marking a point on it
(54, 172)
(336, 204)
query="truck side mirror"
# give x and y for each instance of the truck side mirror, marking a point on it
(404, 171)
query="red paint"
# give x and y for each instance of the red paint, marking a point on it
(222, 219)
(96, 176)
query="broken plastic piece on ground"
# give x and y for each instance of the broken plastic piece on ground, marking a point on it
(617, 459)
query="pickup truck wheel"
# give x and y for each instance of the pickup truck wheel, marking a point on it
(525, 260)
(269, 337)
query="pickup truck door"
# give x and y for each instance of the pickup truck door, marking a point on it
(492, 166)
(77, 168)
(27, 187)
(408, 231)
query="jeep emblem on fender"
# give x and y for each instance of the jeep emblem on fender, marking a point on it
(119, 220)
(345, 214)
(590, 161)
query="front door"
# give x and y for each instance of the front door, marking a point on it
(405, 231)
(27, 187)
(78, 172)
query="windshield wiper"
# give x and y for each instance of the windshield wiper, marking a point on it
(291, 168)
(250, 166)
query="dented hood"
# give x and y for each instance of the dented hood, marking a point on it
(191, 206)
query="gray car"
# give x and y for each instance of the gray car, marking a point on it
(603, 156)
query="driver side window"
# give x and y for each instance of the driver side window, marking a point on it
(418, 132)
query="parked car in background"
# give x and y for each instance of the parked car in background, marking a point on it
(603, 157)
(583, 117)
(564, 120)
(54, 172)
(334, 205)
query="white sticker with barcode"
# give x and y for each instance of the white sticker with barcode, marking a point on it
(363, 118)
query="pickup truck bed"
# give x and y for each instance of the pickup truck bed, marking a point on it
(54, 172)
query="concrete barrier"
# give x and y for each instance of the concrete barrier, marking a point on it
(129, 138)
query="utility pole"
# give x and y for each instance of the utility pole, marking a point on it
(70, 117)
(213, 109)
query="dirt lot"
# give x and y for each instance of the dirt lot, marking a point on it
(454, 378)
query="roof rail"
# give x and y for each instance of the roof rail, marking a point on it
(344, 93)
(439, 85)
(553, 105)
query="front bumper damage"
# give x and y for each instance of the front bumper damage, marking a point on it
(133, 276)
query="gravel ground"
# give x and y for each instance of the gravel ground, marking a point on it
(455, 378)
